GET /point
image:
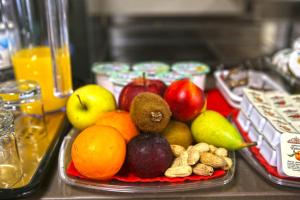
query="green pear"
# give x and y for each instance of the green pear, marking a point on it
(212, 128)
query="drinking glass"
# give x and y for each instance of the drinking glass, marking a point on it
(23, 98)
(10, 165)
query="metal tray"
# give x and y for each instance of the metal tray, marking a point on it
(35, 170)
(118, 186)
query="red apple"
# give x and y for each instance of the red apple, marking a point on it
(137, 86)
(186, 100)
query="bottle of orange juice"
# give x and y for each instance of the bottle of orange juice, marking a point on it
(43, 54)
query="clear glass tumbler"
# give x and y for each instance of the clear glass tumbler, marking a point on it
(23, 98)
(10, 165)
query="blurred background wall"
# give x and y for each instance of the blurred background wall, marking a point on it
(165, 7)
(211, 31)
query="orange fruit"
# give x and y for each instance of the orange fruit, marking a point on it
(297, 155)
(98, 152)
(120, 120)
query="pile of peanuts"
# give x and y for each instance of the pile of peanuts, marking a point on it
(200, 159)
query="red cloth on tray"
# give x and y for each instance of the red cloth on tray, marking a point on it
(71, 171)
(216, 102)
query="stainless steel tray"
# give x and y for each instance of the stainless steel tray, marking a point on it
(118, 186)
(34, 170)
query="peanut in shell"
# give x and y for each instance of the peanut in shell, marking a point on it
(212, 148)
(212, 160)
(177, 149)
(193, 156)
(222, 152)
(180, 171)
(229, 163)
(182, 160)
(201, 147)
(203, 170)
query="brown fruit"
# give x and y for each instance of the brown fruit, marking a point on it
(150, 112)
(178, 133)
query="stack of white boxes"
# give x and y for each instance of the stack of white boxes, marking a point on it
(267, 115)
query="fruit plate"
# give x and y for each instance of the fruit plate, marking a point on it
(254, 162)
(119, 186)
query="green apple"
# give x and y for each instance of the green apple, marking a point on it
(87, 103)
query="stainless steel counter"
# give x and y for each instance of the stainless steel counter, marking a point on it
(247, 184)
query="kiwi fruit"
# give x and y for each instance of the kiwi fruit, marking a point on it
(150, 112)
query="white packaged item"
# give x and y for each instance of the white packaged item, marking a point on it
(194, 69)
(288, 163)
(296, 44)
(278, 100)
(119, 80)
(246, 106)
(151, 68)
(290, 114)
(254, 96)
(281, 57)
(255, 136)
(169, 77)
(296, 126)
(274, 128)
(257, 119)
(294, 64)
(243, 120)
(103, 71)
(268, 152)
(295, 99)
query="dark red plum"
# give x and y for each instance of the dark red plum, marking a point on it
(149, 155)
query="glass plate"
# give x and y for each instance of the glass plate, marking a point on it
(118, 186)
